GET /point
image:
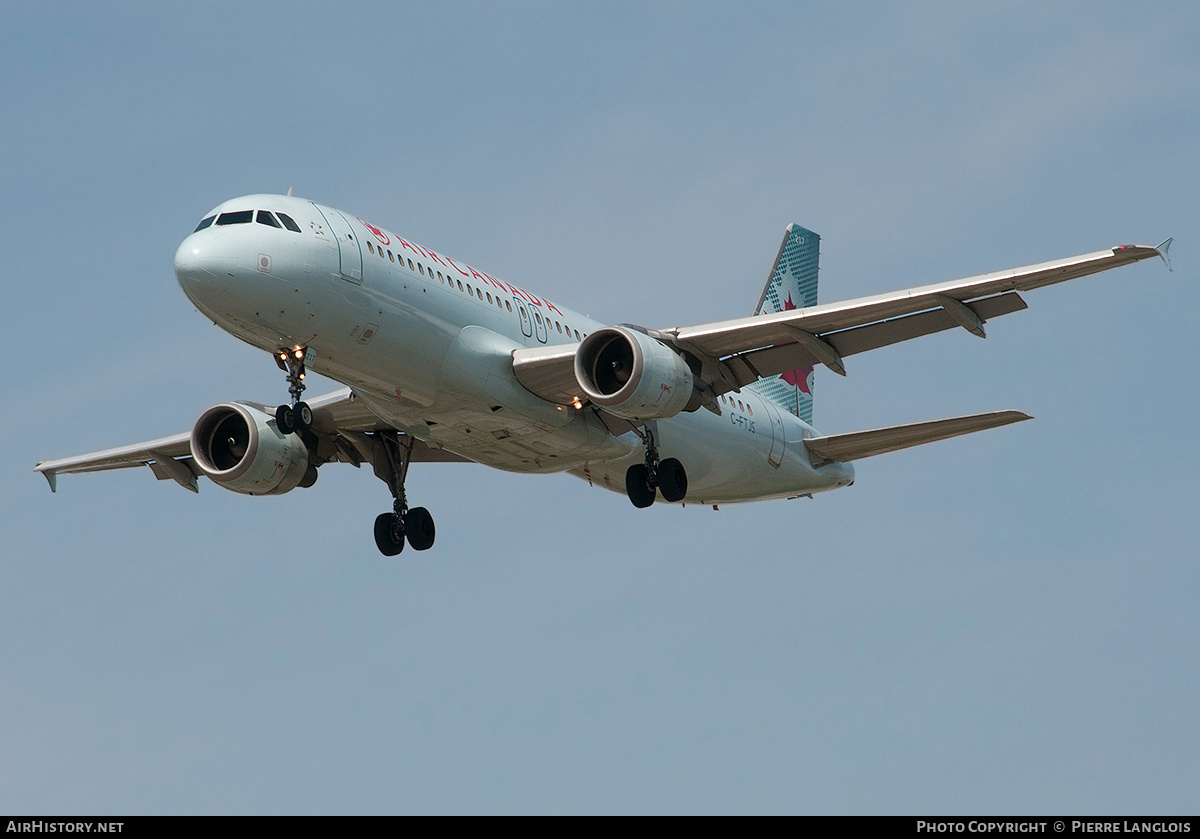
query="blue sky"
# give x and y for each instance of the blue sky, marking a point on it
(1001, 623)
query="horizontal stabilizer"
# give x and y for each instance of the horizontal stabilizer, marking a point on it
(860, 444)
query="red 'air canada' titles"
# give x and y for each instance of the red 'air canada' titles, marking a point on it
(447, 262)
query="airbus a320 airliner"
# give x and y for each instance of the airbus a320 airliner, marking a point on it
(445, 362)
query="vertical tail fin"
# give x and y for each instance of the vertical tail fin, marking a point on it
(792, 284)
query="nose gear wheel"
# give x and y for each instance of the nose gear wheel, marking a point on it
(296, 416)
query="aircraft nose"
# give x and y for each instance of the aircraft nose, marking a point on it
(204, 264)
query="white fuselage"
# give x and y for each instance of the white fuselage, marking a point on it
(426, 342)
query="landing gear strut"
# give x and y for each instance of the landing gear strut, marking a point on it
(297, 416)
(394, 528)
(666, 476)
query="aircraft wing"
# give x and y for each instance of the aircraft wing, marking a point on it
(340, 425)
(766, 345)
(734, 353)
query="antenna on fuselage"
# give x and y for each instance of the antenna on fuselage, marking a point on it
(289, 192)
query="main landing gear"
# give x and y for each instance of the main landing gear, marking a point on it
(415, 525)
(667, 476)
(297, 416)
(389, 453)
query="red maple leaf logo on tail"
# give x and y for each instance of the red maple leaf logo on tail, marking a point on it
(796, 378)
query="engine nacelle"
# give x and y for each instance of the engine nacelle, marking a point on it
(240, 448)
(633, 375)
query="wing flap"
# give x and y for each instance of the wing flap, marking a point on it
(772, 361)
(860, 444)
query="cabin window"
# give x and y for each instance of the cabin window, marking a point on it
(539, 318)
(440, 280)
(479, 293)
(204, 222)
(508, 305)
(371, 248)
(410, 266)
(559, 325)
(390, 257)
(577, 338)
(240, 217)
(469, 292)
(288, 222)
(460, 285)
(263, 217)
(489, 297)
(749, 409)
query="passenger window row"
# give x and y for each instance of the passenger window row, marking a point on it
(731, 402)
(476, 292)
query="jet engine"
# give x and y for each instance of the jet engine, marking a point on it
(239, 447)
(633, 375)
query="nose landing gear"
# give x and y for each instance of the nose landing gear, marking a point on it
(666, 476)
(297, 416)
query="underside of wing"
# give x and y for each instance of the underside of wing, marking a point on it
(860, 444)
(549, 372)
(343, 430)
(168, 457)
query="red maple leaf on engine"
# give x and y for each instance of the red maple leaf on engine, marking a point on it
(796, 378)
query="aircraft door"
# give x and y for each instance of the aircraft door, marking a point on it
(778, 440)
(540, 326)
(526, 320)
(349, 249)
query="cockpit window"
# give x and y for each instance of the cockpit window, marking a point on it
(240, 217)
(288, 223)
(204, 222)
(266, 218)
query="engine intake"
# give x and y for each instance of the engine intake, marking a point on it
(239, 447)
(633, 375)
